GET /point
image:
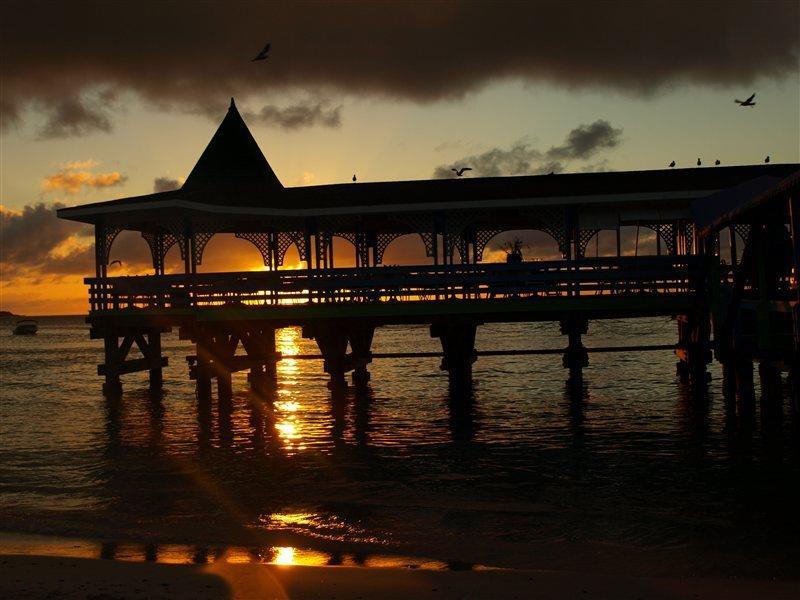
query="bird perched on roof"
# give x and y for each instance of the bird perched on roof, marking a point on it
(748, 102)
(672, 164)
(460, 172)
(766, 160)
(354, 177)
(263, 54)
(716, 162)
(698, 162)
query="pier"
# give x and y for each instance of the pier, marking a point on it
(740, 310)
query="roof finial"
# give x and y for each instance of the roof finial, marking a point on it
(233, 104)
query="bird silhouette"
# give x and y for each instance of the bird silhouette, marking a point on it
(716, 162)
(354, 177)
(263, 54)
(672, 164)
(118, 262)
(766, 160)
(698, 162)
(748, 102)
(460, 172)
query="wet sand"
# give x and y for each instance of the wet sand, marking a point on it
(54, 577)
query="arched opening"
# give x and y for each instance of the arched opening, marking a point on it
(534, 245)
(406, 250)
(291, 260)
(225, 252)
(603, 243)
(344, 253)
(638, 240)
(129, 255)
(731, 246)
(173, 263)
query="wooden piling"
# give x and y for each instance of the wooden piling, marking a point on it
(331, 338)
(457, 337)
(575, 356)
(693, 349)
(360, 337)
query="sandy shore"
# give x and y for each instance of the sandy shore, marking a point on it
(95, 579)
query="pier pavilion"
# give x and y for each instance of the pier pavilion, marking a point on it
(233, 189)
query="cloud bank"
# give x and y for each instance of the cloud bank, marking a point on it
(185, 54)
(296, 116)
(583, 142)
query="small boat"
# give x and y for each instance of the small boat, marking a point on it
(26, 327)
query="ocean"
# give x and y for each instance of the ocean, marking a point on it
(628, 471)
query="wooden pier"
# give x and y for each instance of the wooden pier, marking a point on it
(741, 310)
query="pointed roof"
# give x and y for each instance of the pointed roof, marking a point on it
(232, 161)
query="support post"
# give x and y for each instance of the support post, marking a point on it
(360, 337)
(457, 337)
(693, 348)
(734, 253)
(112, 385)
(575, 355)
(771, 393)
(156, 373)
(794, 368)
(260, 346)
(331, 339)
(224, 384)
(203, 368)
(745, 392)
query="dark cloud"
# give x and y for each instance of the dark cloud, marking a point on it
(297, 116)
(166, 184)
(516, 160)
(30, 235)
(37, 243)
(583, 142)
(74, 116)
(186, 54)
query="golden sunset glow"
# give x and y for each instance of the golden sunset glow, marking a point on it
(71, 180)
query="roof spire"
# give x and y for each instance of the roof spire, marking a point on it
(233, 104)
(232, 160)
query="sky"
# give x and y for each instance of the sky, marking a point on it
(106, 100)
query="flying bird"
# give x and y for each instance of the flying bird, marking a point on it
(118, 262)
(460, 172)
(263, 54)
(672, 164)
(766, 160)
(748, 102)
(698, 162)
(354, 177)
(716, 162)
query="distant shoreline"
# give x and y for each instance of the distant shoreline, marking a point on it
(8, 314)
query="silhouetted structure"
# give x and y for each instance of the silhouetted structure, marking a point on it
(232, 189)
(756, 298)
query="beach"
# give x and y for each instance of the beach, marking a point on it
(53, 577)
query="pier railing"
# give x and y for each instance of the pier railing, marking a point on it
(657, 275)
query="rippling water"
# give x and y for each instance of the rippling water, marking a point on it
(628, 470)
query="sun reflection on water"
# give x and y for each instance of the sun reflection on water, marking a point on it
(288, 410)
(320, 526)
